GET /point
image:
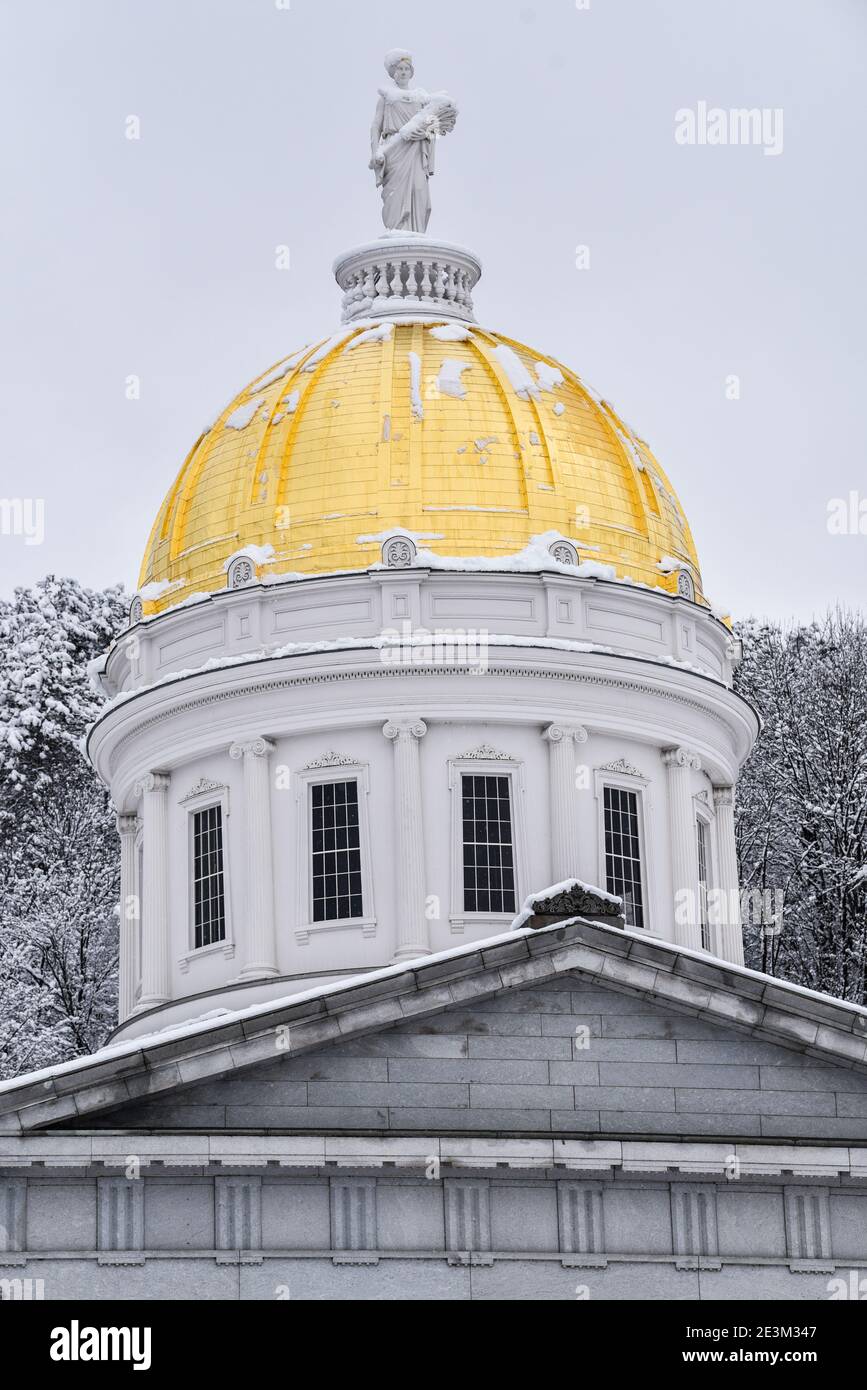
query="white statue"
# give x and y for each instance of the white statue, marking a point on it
(403, 140)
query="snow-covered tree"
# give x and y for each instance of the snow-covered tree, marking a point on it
(802, 801)
(58, 861)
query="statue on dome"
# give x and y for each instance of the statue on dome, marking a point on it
(403, 138)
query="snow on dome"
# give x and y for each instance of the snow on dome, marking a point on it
(415, 385)
(257, 554)
(449, 380)
(451, 333)
(380, 334)
(549, 377)
(242, 415)
(522, 383)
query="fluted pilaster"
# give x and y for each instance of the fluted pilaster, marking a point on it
(729, 927)
(153, 790)
(257, 936)
(413, 938)
(562, 740)
(130, 915)
(681, 764)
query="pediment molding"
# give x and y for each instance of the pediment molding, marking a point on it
(656, 972)
(205, 786)
(330, 759)
(624, 768)
(485, 753)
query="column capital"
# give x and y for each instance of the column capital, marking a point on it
(396, 729)
(152, 782)
(723, 796)
(127, 823)
(251, 748)
(681, 757)
(558, 733)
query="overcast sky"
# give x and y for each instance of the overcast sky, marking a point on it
(156, 257)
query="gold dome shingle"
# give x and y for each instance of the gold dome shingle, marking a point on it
(367, 431)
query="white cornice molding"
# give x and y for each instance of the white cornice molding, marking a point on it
(73, 1152)
(121, 728)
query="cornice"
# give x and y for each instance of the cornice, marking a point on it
(266, 682)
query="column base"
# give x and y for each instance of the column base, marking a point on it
(256, 972)
(410, 953)
(148, 1001)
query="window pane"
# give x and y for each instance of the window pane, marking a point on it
(336, 851)
(209, 900)
(486, 810)
(701, 832)
(622, 853)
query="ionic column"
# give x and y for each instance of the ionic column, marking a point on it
(412, 929)
(681, 764)
(562, 740)
(729, 928)
(153, 790)
(130, 913)
(259, 942)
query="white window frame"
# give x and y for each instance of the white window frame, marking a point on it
(203, 801)
(305, 927)
(704, 813)
(632, 782)
(459, 918)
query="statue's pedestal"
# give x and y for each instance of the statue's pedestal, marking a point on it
(404, 274)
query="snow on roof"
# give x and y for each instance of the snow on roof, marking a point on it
(522, 383)
(451, 333)
(549, 377)
(449, 380)
(258, 554)
(668, 564)
(281, 370)
(243, 414)
(415, 385)
(335, 341)
(567, 885)
(151, 592)
(204, 1022)
(380, 334)
(401, 532)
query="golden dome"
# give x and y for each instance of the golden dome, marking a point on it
(468, 440)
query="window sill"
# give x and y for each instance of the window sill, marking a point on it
(500, 921)
(366, 925)
(225, 948)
